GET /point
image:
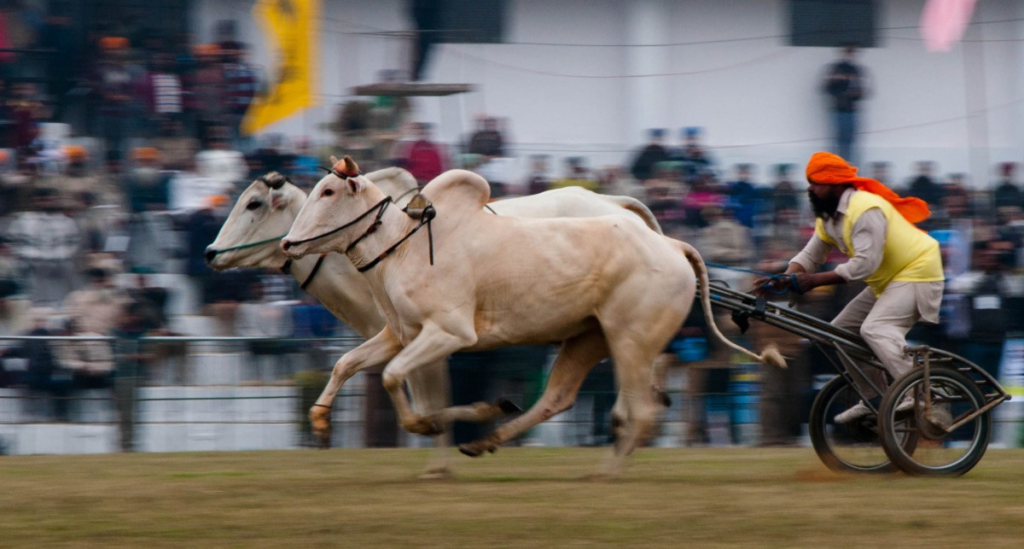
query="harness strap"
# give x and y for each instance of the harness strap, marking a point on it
(287, 269)
(316, 269)
(429, 213)
(380, 207)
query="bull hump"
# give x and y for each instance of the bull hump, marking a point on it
(458, 190)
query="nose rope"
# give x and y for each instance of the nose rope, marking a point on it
(244, 246)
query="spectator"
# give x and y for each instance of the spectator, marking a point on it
(115, 82)
(576, 176)
(264, 318)
(129, 368)
(219, 163)
(95, 308)
(926, 188)
(703, 194)
(48, 242)
(307, 165)
(177, 149)
(77, 180)
(26, 111)
(744, 195)
(241, 84)
(161, 89)
(614, 179)
(201, 228)
(311, 319)
(727, 242)
(487, 140)
(147, 189)
(205, 90)
(190, 191)
(784, 194)
(424, 159)
(664, 196)
(1007, 192)
(538, 180)
(846, 85)
(985, 288)
(880, 172)
(652, 153)
(693, 153)
(45, 374)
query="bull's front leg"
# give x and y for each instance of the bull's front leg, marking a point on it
(432, 344)
(375, 351)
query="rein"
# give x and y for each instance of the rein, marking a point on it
(794, 286)
(249, 245)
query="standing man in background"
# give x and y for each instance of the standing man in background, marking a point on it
(846, 85)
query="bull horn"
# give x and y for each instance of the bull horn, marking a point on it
(275, 180)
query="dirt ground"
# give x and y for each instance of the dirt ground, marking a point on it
(515, 498)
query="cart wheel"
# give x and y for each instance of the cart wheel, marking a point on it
(851, 447)
(940, 452)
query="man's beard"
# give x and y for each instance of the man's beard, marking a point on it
(824, 208)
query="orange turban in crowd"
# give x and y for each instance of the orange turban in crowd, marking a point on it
(76, 153)
(145, 153)
(829, 169)
(114, 43)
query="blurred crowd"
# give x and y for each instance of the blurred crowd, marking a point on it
(119, 163)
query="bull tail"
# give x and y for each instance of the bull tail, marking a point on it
(770, 355)
(637, 207)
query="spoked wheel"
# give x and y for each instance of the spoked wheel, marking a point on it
(854, 446)
(942, 451)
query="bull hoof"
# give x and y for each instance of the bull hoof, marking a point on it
(478, 447)
(437, 473)
(320, 421)
(666, 401)
(424, 426)
(472, 450)
(507, 407)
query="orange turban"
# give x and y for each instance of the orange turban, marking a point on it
(114, 43)
(145, 153)
(75, 153)
(829, 169)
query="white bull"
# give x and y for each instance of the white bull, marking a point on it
(265, 211)
(601, 286)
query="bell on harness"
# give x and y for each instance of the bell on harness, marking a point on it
(420, 209)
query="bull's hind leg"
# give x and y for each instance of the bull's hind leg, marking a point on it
(638, 401)
(575, 360)
(374, 352)
(431, 391)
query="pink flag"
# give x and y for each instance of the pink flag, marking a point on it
(943, 22)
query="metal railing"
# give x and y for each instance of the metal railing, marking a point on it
(234, 393)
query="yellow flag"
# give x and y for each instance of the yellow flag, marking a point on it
(291, 27)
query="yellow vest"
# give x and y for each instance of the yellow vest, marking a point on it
(910, 255)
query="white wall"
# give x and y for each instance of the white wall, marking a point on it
(758, 99)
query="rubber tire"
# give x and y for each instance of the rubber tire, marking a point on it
(816, 429)
(901, 459)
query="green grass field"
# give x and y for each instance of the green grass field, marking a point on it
(515, 498)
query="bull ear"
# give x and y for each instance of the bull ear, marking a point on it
(355, 184)
(278, 200)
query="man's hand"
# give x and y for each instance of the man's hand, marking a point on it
(765, 284)
(797, 282)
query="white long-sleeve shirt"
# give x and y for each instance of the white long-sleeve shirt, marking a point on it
(868, 237)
